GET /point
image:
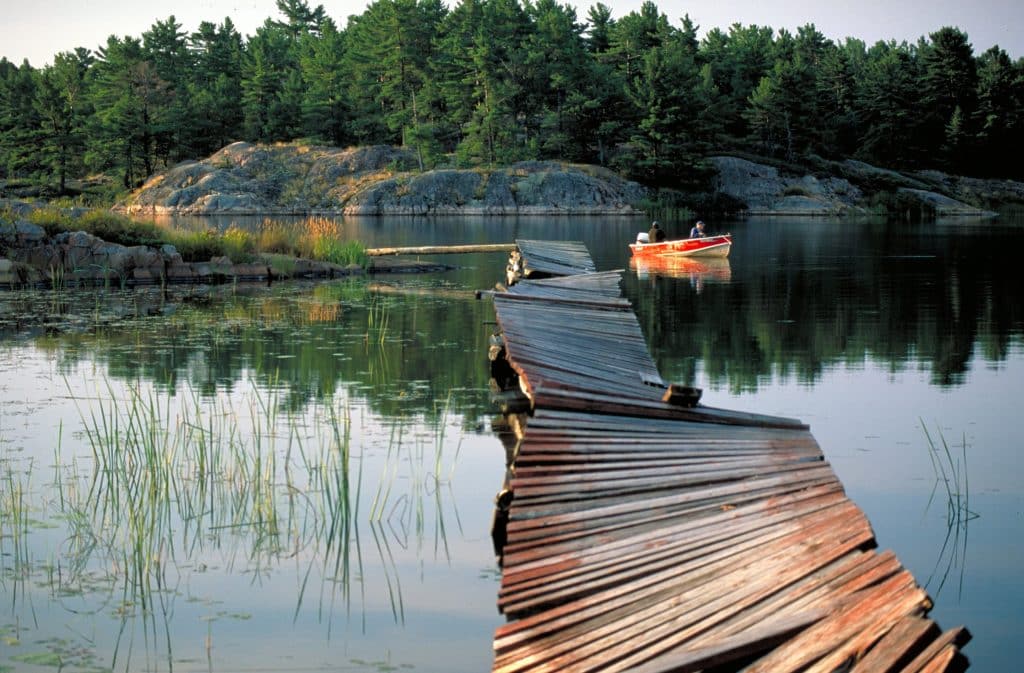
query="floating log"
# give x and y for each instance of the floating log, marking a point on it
(441, 249)
(406, 291)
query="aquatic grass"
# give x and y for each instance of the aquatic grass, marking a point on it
(172, 475)
(57, 480)
(277, 237)
(14, 522)
(377, 319)
(196, 246)
(392, 577)
(950, 471)
(324, 239)
(423, 457)
(320, 239)
(387, 478)
(52, 219)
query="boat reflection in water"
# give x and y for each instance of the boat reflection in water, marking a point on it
(697, 269)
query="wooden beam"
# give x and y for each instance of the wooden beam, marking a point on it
(441, 249)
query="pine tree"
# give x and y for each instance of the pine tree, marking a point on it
(949, 82)
(453, 73)
(391, 45)
(215, 87)
(782, 114)
(19, 121)
(165, 47)
(599, 28)
(835, 87)
(325, 107)
(999, 118)
(63, 108)
(128, 96)
(887, 103)
(266, 64)
(557, 57)
(667, 94)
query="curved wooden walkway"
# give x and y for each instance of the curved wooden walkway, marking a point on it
(649, 536)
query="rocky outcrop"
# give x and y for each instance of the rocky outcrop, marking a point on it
(245, 178)
(766, 191)
(973, 190)
(287, 179)
(851, 189)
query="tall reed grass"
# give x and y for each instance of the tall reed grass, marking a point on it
(172, 479)
(318, 238)
(173, 474)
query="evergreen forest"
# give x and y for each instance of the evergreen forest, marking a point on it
(491, 82)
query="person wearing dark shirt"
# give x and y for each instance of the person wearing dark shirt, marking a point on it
(698, 230)
(656, 234)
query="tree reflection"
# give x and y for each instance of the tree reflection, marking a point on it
(799, 298)
(794, 307)
(402, 353)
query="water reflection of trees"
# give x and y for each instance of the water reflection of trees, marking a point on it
(401, 353)
(801, 298)
(926, 301)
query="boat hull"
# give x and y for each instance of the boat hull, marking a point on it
(708, 246)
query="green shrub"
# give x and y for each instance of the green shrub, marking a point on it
(52, 220)
(283, 265)
(238, 244)
(197, 246)
(115, 228)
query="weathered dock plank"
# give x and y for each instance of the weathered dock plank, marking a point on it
(648, 536)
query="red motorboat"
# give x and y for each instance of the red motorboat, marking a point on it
(707, 246)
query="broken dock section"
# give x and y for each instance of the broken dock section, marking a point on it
(644, 531)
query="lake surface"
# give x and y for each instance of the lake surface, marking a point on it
(304, 473)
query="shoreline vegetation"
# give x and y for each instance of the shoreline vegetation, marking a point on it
(47, 246)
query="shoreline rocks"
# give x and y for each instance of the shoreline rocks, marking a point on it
(766, 190)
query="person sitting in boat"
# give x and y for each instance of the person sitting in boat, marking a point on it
(698, 230)
(656, 234)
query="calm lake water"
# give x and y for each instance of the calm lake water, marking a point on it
(301, 476)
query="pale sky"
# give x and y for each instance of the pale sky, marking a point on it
(38, 29)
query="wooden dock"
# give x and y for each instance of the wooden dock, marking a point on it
(647, 533)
